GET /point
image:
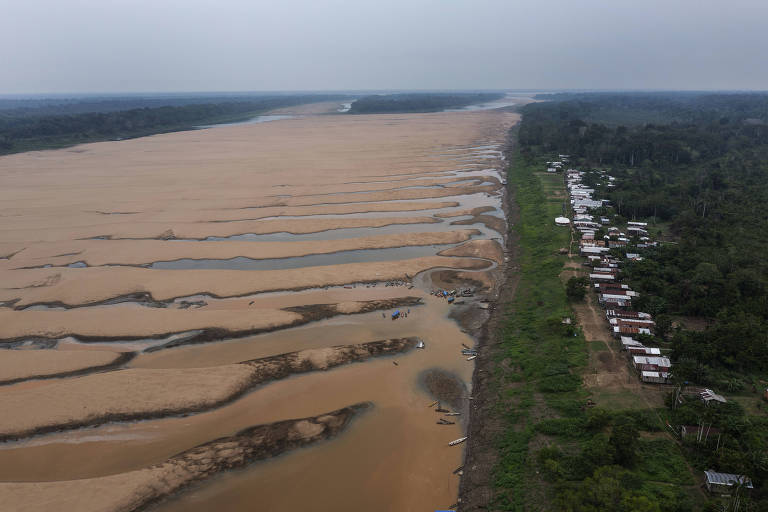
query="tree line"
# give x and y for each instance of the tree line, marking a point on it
(39, 125)
(418, 102)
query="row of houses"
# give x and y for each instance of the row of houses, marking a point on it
(625, 322)
(616, 297)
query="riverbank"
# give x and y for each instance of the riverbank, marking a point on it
(528, 361)
(555, 420)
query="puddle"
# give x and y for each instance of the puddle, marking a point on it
(72, 342)
(465, 201)
(343, 233)
(312, 260)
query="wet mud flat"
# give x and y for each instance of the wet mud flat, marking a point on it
(220, 285)
(232, 384)
(161, 481)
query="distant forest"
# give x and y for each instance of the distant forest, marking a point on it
(418, 102)
(49, 123)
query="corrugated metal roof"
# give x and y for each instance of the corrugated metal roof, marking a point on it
(713, 477)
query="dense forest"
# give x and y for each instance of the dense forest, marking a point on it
(39, 124)
(703, 184)
(418, 102)
(695, 167)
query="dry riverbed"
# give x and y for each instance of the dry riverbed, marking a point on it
(170, 305)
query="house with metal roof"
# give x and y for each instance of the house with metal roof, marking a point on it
(725, 483)
(651, 364)
(655, 377)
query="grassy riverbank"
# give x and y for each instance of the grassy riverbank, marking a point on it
(539, 357)
(556, 450)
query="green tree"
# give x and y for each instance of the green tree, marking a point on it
(624, 439)
(576, 288)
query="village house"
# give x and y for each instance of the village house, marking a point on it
(627, 342)
(651, 363)
(586, 203)
(615, 302)
(636, 231)
(627, 314)
(725, 483)
(632, 322)
(602, 277)
(612, 286)
(619, 330)
(607, 270)
(587, 250)
(652, 377)
(643, 351)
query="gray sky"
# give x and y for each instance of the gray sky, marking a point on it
(248, 45)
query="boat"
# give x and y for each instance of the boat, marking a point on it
(457, 441)
(452, 413)
(471, 358)
(420, 344)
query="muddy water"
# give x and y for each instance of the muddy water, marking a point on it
(399, 440)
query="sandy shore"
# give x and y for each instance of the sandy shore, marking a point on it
(19, 364)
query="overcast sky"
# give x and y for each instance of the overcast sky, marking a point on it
(58, 46)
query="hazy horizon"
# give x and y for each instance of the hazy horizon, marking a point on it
(351, 92)
(143, 47)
